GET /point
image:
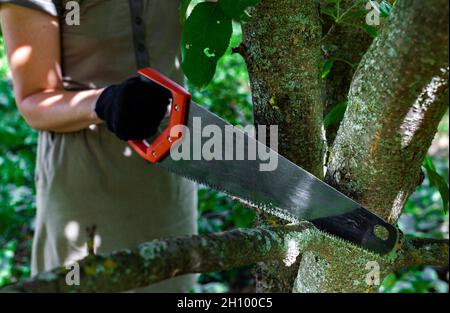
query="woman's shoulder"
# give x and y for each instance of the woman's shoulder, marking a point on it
(52, 7)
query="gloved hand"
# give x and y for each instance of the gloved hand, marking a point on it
(133, 109)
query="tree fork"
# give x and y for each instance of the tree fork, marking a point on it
(397, 98)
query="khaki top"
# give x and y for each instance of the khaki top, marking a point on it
(90, 177)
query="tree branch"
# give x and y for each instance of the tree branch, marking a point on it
(397, 98)
(420, 251)
(158, 260)
(162, 259)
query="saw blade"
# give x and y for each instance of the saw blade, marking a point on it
(288, 191)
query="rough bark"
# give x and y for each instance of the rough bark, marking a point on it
(334, 266)
(284, 62)
(162, 259)
(419, 251)
(397, 98)
(283, 57)
(399, 88)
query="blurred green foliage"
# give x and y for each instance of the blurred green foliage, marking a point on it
(229, 96)
(17, 157)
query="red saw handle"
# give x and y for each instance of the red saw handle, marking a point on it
(160, 147)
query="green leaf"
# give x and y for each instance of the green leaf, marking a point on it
(242, 216)
(328, 64)
(184, 5)
(236, 9)
(371, 30)
(206, 37)
(437, 181)
(336, 115)
(385, 8)
(331, 12)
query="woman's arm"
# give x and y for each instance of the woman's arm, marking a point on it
(33, 47)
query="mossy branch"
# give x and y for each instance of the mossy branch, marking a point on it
(158, 260)
(397, 98)
(422, 251)
(162, 259)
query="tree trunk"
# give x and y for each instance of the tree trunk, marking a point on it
(284, 61)
(397, 98)
(283, 56)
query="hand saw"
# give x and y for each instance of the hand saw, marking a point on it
(288, 192)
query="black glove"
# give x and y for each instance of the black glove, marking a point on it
(133, 109)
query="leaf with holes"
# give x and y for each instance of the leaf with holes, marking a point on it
(237, 9)
(206, 37)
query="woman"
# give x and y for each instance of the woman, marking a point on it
(76, 84)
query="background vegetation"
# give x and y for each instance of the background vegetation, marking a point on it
(229, 96)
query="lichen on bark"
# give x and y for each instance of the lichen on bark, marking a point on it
(284, 62)
(371, 161)
(283, 57)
